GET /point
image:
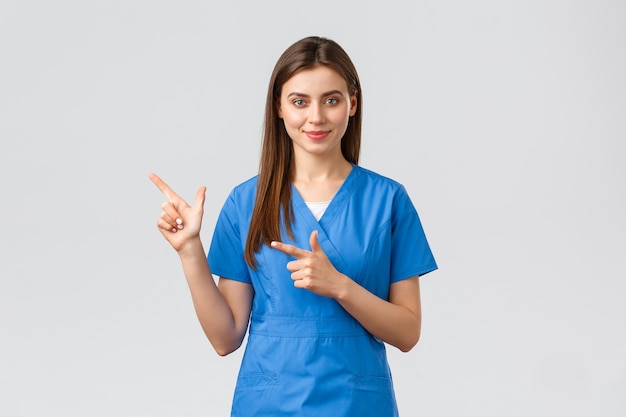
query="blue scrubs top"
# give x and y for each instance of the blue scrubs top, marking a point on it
(305, 355)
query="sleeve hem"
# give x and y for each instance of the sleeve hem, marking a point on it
(231, 276)
(416, 272)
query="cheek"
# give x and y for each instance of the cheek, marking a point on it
(292, 119)
(341, 117)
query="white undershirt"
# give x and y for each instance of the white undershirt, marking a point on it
(317, 208)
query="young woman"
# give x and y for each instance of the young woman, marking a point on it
(318, 256)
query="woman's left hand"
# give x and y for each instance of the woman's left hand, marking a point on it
(312, 269)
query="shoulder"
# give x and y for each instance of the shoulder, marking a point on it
(375, 181)
(242, 196)
(245, 189)
(385, 191)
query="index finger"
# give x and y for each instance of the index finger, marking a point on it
(165, 189)
(290, 249)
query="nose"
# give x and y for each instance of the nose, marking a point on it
(316, 113)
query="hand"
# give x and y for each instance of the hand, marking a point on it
(179, 222)
(313, 270)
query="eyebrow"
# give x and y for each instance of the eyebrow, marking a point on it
(328, 93)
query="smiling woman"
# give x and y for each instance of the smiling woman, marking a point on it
(318, 257)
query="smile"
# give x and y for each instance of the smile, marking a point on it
(316, 135)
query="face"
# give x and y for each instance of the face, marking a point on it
(315, 106)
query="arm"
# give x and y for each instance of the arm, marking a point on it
(397, 321)
(223, 312)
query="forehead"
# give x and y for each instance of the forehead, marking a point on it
(316, 80)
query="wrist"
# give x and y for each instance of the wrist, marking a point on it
(344, 283)
(191, 248)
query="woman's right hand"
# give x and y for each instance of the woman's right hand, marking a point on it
(179, 222)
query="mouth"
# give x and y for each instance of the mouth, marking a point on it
(317, 134)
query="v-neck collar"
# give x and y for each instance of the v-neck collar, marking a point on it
(341, 196)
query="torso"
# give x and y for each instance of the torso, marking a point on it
(305, 354)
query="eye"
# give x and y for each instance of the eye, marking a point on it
(332, 101)
(298, 102)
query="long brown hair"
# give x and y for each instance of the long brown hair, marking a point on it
(273, 194)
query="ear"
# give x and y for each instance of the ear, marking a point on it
(353, 102)
(279, 111)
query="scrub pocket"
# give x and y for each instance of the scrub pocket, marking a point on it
(255, 395)
(374, 397)
(373, 383)
(256, 381)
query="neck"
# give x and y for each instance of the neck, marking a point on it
(318, 178)
(319, 168)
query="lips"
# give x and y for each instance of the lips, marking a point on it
(317, 134)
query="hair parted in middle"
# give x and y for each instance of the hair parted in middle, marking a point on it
(273, 196)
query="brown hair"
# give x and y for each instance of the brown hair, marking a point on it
(273, 195)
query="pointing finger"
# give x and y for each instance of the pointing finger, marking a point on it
(165, 189)
(290, 249)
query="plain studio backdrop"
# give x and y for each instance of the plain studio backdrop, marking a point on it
(506, 122)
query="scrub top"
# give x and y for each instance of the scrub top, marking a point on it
(305, 355)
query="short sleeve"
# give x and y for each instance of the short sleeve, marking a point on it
(410, 251)
(226, 253)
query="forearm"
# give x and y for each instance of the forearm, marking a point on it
(398, 325)
(213, 312)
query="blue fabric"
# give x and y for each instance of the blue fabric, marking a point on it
(305, 355)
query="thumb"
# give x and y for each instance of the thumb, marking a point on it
(200, 195)
(315, 244)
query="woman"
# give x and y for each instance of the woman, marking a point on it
(319, 257)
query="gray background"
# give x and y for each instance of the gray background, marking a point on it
(504, 120)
